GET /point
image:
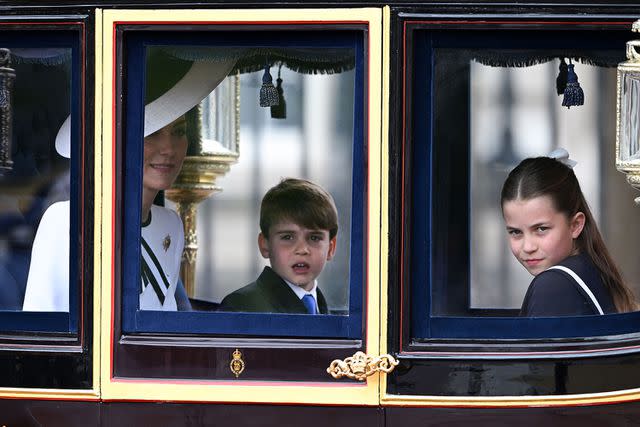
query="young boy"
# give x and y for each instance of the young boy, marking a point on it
(298, 224)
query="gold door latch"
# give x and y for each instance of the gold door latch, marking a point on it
(360, 366)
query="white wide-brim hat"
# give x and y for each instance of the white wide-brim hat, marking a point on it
(201, 79)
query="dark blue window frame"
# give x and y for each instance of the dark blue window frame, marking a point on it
(448, 267)
(59, 322)
(218, 323)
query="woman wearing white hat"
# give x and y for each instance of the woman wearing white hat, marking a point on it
(162, 236)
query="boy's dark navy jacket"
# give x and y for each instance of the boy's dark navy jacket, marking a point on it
(269, 294)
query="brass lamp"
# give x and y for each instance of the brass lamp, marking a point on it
(211, 159)
(628, 114)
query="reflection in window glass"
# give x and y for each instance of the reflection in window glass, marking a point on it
(37, 182)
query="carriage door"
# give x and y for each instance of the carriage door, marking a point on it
(472, 98)
(289, 93)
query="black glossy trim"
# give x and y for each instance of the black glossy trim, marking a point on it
(546, 348)
(514, 377)
(68, 414)
(46, 368)
(469, 7)
(210, 342)
(624, 414)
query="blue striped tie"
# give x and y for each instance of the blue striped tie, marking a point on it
(310, 303)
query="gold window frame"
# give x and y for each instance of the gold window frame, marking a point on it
(365, 392)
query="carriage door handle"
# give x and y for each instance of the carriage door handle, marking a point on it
(360, 366)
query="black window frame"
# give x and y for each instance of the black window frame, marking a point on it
(414, 156)
(54, 349)
(429, 166)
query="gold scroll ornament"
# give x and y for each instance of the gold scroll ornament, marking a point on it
(360, 366)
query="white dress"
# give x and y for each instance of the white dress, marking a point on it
(48, 281)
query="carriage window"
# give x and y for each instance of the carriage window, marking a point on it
(247, 216)
(492, 107)
(38, 186)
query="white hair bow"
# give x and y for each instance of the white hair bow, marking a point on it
(562, 155)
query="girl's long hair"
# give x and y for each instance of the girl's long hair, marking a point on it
(544, 176)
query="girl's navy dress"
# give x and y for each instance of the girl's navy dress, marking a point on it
(556, 293)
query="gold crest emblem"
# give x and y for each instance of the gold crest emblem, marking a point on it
(237, 364)
(166, 243)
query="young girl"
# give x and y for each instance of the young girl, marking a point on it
(554, 236)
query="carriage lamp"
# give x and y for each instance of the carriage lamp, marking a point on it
(628, 114)
(209, 160)
(7, 77)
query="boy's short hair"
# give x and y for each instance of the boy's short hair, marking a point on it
(299, 201)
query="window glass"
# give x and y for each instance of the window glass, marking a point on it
(491, 108)
(245, 113)
(312, 142)
(529, 120)
(37, 184)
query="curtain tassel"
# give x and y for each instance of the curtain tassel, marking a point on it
(561, 80)
(268, 92)
(279, 111)
(573, 93)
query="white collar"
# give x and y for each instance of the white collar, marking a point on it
(301, 292)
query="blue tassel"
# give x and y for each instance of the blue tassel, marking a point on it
(268, 92)
(561, 80)
(279, 111)
(573, 94)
